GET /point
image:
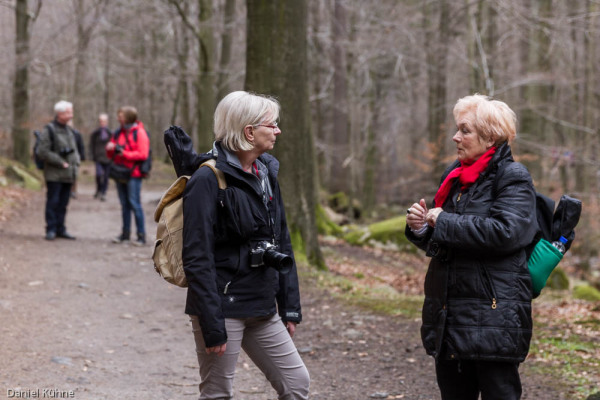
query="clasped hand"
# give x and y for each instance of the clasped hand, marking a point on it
(418, 215)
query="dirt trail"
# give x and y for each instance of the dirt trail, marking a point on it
(94, 318)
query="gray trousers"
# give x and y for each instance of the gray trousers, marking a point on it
(269, 346)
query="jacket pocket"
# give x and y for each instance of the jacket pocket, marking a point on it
(487, 285)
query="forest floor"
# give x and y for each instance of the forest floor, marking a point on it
(94, 318)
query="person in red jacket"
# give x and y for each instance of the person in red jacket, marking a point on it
(129, 147)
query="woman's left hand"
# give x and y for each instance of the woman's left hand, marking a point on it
(432, 216)
(291, 328)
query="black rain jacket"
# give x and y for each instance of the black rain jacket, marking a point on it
(478, 288)
(216, 245)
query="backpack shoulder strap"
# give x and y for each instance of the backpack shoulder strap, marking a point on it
(218, 173)
(51, 135)
(173, 193)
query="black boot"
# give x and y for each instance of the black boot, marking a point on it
(141, 240)
(123, 238)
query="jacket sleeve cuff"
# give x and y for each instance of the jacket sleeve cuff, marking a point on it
(291, 316)
(212, 339)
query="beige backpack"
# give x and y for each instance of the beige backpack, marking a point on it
(167, 253)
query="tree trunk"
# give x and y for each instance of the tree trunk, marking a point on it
(583, 140)
(106, 75)
(276, 64)
(223, 87)
(436, 43)
(538, 96)
(84, 37)
(371, 160)
(21, 128)
(339, 147)
(181, 105)
(205, 101)
(321, 133)
(78, 78)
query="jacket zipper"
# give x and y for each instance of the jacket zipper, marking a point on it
(490, 286)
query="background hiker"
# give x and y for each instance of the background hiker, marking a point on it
(129, 146)
(81, 151)
(98, 141)
(235, 290)
(58, 150)
(477, 311)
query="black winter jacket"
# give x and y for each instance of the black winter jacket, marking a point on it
(478, 288)
(217, 242)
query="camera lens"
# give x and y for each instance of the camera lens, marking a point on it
(279, 261)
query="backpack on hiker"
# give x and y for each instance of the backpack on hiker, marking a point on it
(146, 165)
(553, 224)
(39, 163)
(121, 173)
(167, 255)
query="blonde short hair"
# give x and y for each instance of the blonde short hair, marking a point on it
(238, 110)
(491, 119)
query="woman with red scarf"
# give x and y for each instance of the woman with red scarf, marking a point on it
(477, 310)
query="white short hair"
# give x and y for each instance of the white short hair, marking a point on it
(238, 110)
(490, 119)
(62, 106)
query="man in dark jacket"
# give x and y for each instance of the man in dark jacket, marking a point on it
(98, 140)
(58, 150)
(477, 311)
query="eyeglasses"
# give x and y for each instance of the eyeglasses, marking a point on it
(272, 125)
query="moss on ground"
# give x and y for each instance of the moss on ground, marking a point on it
(586, 292)
(382, 299)
(389, 231)
(558, 279)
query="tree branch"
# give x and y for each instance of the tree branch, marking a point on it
(7, 4)
(184, 17)
(36, 13)
(489, 83)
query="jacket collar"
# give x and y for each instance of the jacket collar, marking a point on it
(503, 154)
(228, 162)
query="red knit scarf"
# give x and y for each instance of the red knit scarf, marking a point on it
(467, 174)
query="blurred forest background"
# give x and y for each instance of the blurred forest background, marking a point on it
(367, 87)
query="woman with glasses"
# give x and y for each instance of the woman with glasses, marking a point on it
(477, 310)
(243, 288)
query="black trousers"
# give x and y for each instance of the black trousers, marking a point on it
(102, 175)
(57, 200)
(464, 380)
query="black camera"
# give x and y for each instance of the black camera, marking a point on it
(66, 151)
(119, 149)
(266, 253)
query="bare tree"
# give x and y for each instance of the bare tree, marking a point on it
(205, 90)
(85, 33)
(340, 138)
(21, 129)
(181, 104)
(276, 64)
(436, 47)
(223, 81)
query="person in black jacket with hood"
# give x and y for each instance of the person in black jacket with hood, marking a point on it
(477, 311)
(238, 296)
